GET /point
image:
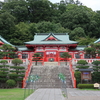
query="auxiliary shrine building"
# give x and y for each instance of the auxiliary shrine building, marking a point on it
(50, 46)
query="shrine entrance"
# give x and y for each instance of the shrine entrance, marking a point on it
(51, 56)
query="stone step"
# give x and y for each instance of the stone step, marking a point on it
(50, 63)
(49, 76)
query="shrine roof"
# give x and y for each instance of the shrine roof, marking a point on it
(82, 70)
(51, 38)
(4, 41)
(97, 41)
(80, 48)
(23, 48)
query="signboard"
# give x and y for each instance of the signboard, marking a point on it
(96, 85)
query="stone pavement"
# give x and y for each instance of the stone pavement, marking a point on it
(56, 94)
(75, 94)
(46, 94)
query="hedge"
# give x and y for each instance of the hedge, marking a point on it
(83, 86)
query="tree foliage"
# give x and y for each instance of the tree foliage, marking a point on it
(22, 18)
(7, 51)
(66, 55)
(36, 57)
(82, 64)
(93, 50)
(96, 73)
(17, 61)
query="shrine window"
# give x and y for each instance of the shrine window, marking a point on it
(77, 56)
(61, 53)
(16, 56)
(24, 56)
(87, 56)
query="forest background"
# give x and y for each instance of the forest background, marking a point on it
(21, 19)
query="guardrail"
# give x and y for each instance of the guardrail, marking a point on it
(27, 73)
(72, 74)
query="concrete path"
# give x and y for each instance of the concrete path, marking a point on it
(56, 94)
(75, 94)
(46, 94)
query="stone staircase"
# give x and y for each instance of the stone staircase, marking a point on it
(49, 77)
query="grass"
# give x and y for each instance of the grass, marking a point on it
(14, 94)
(91, 89)
(64, 94)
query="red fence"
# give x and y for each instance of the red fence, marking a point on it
(27, 73)
(72, 74)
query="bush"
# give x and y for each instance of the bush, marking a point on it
(84, 86)
(78, 76)
(11, 83)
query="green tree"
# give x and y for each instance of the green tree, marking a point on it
(96, 73)
(11, 83)
(36, 57)
(7, 25)
(78, 76)
(90, 52)
(22, 34)
(17, 61)
(66, 55)
(4, 72)
(18, 9)
(82, 64)
(7, 51)
(85, 40)
(17, 73)
(77, 33)
(79, 16)
(96, 65)
(47, 27)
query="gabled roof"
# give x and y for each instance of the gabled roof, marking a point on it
(60, 38)
(4, 41)
(51, 37)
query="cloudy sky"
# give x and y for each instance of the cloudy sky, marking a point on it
(94, 4)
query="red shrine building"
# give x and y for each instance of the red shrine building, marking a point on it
(50, 46)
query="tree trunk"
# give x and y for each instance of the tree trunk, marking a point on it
(36, 63)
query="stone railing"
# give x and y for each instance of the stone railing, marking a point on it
(74, 61)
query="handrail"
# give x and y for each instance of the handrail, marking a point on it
(72, 74)
(27, 73)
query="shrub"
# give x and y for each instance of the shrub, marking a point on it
(83, 86)
(78, 76)
(11, 83)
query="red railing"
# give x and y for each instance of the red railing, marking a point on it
(27, 73)
(72, 74)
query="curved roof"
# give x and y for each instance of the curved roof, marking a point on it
(97, 41)
(4, 41)
(61, 38)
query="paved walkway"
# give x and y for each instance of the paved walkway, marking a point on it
(75, 94)
(56, 94)
(46, 94)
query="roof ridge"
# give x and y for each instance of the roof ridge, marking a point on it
(51, 33)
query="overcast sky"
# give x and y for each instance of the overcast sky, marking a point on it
(94, 4)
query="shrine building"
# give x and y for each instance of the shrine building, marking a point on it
(50, 46)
